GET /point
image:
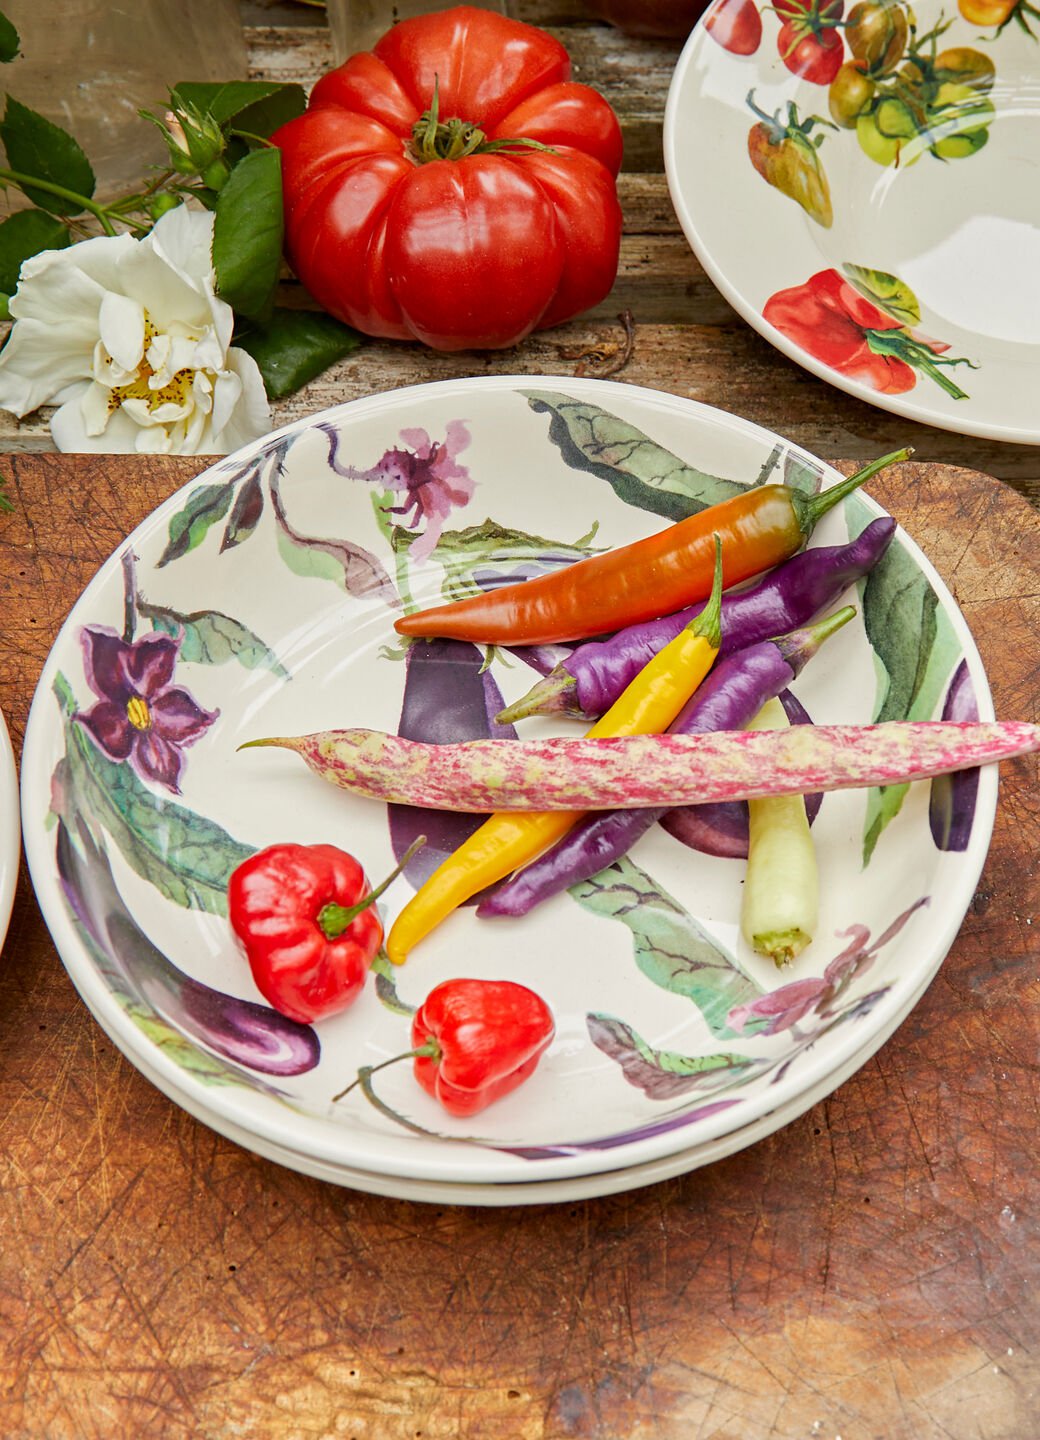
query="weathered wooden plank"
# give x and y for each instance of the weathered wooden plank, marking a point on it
(727, 365)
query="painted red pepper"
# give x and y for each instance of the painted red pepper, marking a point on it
(831, 320)
(305, 917)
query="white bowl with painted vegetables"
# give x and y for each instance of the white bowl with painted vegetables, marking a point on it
(276, 578)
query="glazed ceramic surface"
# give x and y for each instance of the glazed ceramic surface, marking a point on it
(862, 182)
(10, 828)
(260, 600)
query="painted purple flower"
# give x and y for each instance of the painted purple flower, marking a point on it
(425, 474)
(140, 715)
(783, 1008)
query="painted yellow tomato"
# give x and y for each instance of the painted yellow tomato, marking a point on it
(986, 12)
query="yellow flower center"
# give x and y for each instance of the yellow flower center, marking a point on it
(175, 391)
(137, 713)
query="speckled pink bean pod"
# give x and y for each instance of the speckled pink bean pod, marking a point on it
(631, 771)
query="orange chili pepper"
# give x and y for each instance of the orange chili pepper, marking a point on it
(652, 577)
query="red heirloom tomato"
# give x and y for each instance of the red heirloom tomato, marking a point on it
(453, 185)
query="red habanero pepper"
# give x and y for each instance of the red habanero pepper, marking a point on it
(473, 1042)
(655, 576)
(306, 919)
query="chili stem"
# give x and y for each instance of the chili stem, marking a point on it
(814, 507)
(334, 918)
(430, 1051)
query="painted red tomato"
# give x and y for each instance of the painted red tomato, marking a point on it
(736, 25)
(454, 185)
(815, 56)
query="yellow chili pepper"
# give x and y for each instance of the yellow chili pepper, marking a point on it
(508, 840)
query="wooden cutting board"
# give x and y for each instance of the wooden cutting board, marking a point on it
(872, 1271)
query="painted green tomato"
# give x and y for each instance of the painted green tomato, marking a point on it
(877, 32)
(887, 133)
(851, 93)
(964, 66)
(959, 116)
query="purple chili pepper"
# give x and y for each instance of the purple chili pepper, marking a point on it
(589, 681)
(733, 693)
(449, 695)
(721, 828)
(951, 803)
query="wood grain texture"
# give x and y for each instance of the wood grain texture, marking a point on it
(870, 1271)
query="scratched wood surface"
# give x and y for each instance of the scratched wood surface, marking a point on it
(688, 339)
(869, 1272)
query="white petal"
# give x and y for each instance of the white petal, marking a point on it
(226, 394)
(36, 363)
(95, 409)
(106, 371)
(184, 239)
(153, 440)
(158, 355)
(169, 412)
(97, 260)
(121, 323)
(69, 433)
(165, 292)
(251, 417)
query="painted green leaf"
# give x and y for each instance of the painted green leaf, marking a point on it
(386, 986)
(247, 234)
(37, 147)
(887, 292)
(190, 526)
(245, 513)
(208, 637)
(349, 566)
(294, 346)
(915, 651)
(24, 235)
(638, 470)
(484, 556)
(187, 857)
(671, 948)
(662, 1074)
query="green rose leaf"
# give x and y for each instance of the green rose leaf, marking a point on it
(662, 1074)
(887, 292)
(209, 637)
(9, 41)
(294, 346)
(24, 235)
(256, 106)
(638, 470)
(671, 948)
(37, 148)
(247, 234)
(189, 527)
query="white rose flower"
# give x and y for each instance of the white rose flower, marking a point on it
(130, 339)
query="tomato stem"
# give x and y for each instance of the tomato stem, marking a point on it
(454, 139)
